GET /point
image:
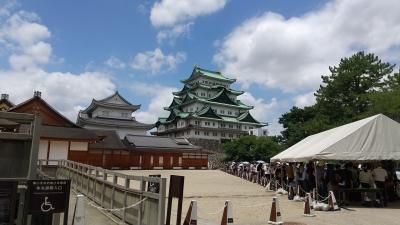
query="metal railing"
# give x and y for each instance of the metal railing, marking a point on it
(112, 190)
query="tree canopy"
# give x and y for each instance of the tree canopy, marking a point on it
(359, 86)
(250, 148)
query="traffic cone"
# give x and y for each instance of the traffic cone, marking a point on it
(275, 217)
(227, 217)
(191, 215)
(79, 211)
(332, 204)
(308, 206)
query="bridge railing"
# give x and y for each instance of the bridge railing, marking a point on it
(112, 191)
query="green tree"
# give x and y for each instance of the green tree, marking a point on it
(343, 94)
(250, 148)
(359, 86)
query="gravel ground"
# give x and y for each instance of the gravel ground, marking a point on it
(252, 204)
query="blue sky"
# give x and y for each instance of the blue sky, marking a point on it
(74, 51)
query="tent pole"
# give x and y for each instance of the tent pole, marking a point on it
(316, 180)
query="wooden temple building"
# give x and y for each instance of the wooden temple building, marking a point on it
(63, 139)
(113, 113)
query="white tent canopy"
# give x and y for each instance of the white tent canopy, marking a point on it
(374, 138)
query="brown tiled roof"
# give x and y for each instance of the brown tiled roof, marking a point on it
(165, 143)
(109, 141)
(71, 133)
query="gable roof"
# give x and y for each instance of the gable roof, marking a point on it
(216, 75)
(207, 112)
(50, 116)
(121, 103)
(247, 117)
(222, 97)
(5, 104)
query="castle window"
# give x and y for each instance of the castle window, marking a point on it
(197, 132)
(215, 134)
(197, 122)
(206, 133)
(124, 115)
(229, 113)
(106, 113)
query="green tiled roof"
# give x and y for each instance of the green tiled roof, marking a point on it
(222, 97)
(207, 112)
(187, 88)
(176, 102)
(197, 71)
(246, 117)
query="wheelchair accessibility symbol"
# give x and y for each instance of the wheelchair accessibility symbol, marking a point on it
(46, 206)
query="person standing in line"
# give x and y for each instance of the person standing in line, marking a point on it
(290, 174)
(366, 181)
(380, 176)
(301, 178)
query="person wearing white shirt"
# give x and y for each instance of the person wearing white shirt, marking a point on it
(380, 176)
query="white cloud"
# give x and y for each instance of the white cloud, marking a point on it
(6, 7)
(292, 53)
(156, 61)
(264, 111)
(115, 63)
(182, 30)
(160, 97)
(175, 17)
(167, 13)
(303, 100)
(25, 40)
(65, 91)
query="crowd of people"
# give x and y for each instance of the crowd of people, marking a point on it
(326, 177)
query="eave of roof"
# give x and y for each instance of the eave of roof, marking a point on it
(197, 72)
(195, 86)
(94, 104)
(67, 133)
(157, 142)
(114, 123)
